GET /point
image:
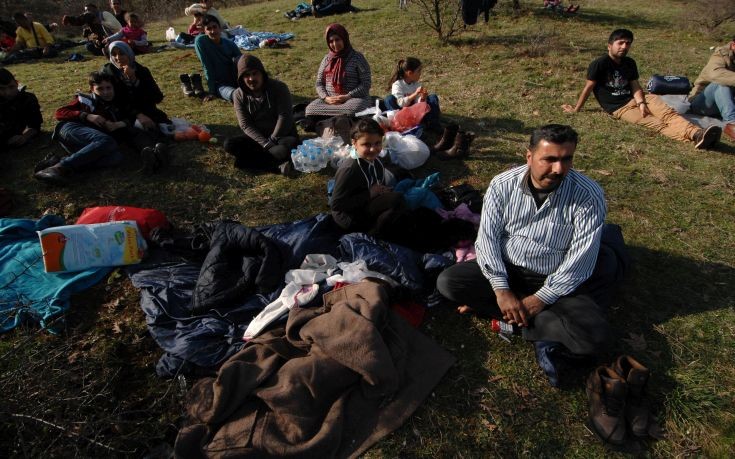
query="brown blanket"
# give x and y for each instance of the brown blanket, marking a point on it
(330, 384)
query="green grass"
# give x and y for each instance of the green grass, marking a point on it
(676, 207)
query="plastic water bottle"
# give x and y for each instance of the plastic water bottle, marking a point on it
(304, 161)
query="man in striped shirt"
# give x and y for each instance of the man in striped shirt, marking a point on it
(537, 249)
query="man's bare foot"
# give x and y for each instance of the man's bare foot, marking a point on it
(464, 309)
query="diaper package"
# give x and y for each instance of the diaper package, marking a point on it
(79, 247)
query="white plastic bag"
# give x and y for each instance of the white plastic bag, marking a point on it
(371, 110)
(408, 151)
(170, 34)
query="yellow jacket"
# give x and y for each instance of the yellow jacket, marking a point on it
(26, 36)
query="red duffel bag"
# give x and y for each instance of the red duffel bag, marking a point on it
(147, 219)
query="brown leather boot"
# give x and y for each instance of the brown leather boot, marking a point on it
(447, 138)
(606, 392)
(637, 413)
(460, 149)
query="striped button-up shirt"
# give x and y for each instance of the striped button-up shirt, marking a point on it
(560, 239)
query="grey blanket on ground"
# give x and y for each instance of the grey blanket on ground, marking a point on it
(331, 383)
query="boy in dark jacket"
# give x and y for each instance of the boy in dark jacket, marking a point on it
(264, 112)
(20, 114)
(90, 128)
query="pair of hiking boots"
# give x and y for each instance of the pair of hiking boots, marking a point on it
(618, 404)
(454, 143)
(191, 85)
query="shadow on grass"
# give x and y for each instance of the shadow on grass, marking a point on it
(614, 21)
(500, 385)
(660, 304)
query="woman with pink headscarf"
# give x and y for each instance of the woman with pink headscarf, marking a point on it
(343, 80)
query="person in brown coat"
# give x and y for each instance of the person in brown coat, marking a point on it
(713, 93)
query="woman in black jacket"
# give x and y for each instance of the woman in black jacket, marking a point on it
(135, 85)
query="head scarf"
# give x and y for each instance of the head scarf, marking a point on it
(126, 49)
(335, 69)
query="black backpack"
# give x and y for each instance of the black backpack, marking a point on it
(452, 196)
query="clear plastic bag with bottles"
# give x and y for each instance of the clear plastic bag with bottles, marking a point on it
(314, 154)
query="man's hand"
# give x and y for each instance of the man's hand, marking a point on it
(514, 312)
(146, 121)
(114, 125)
(533, 305)
(569, 108)
(129, 72)
(644, 109)
(97, 120)
(209, 98)
(378, 189)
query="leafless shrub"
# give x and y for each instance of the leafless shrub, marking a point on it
(442, 16)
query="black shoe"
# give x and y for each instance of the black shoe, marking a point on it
(162, 157)
(307, 124)
(51, 159)
(148, 158)
(196, 84)
(705, 138)
(287, 169)
(186, 87)
(54, 175)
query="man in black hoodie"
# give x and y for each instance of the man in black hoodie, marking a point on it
(264, 112)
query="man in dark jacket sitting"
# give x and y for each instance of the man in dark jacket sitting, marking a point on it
(264, 111)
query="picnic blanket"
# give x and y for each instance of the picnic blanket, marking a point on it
(249, 41)
(330, 384)
(27, 292)
(197, 344)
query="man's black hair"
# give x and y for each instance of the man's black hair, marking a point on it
(620, 34)
(20, 16)
(91, 5)
(209, 18)
(6, 77)
(96, 78)
(553, 133)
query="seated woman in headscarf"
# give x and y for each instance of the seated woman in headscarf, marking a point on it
(343, 80)
(135, 85)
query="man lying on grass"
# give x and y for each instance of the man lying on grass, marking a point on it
(613, 78)
(537, 263)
